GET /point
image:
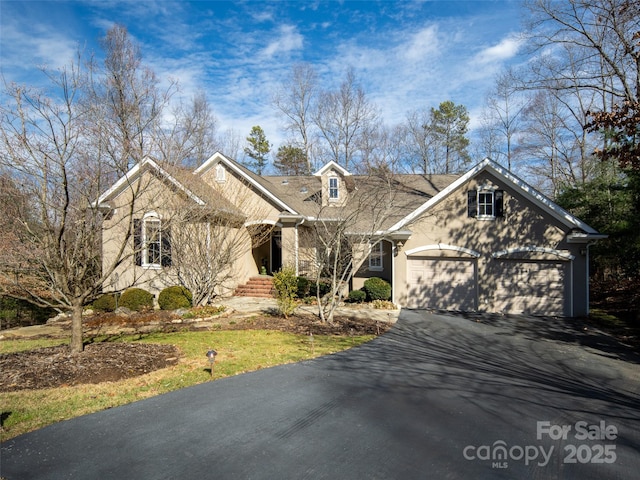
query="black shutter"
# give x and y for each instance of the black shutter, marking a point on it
(137, 241)
(472, 203)
(498, 198)
(166, 247)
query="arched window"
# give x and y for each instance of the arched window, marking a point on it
(152, 242)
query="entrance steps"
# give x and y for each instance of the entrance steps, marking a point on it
(261, 287)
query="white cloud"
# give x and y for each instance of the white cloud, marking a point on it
(421, 44)
(289, 40)
(37, 46)
(506, 49)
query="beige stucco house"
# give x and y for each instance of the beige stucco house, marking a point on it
(481, 241)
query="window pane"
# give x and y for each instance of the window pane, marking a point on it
(333, 187)
(152, 241)
(485, 203)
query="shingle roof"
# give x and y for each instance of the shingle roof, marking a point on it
(213, 200)
(404, 192)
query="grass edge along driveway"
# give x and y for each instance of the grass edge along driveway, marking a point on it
(239, 351)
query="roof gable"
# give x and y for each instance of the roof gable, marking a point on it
(332, 166)
(256, 181)
(183, 180)
(136, 172)
(537, 198)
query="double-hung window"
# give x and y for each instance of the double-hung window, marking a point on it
(485, 203)
(334, 193)
(375, 257)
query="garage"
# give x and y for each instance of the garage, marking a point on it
(442, 283)
(531, 287)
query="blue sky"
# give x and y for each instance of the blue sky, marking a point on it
(407, 54)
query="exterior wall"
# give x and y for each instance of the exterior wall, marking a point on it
(342, 189)
(152, 197)
(155, 196)
(386, 273)
(523, 225)
(242, 195)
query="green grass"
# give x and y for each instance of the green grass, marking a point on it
(238, 352)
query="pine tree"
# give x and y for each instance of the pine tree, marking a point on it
(257, 150)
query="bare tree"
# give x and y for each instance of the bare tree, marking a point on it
(63, 150)
(589, 45)
(125, 103)
(209, 245)
(191, 135)
(420, 143)
(344, 118)
(296, 99)
(504, 106)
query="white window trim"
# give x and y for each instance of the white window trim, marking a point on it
(337, 189)
(154, 217)
(377, 252)
(486, 189)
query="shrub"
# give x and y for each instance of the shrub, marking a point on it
(204, 311)
(136, 299)
(325, 287)
(105, 302)
(383, 305)
(357, 296)
(377, 289)
(304, 287)
(173, 298)
(286, 284)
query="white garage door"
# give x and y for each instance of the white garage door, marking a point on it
(536, 288)
(442, 283)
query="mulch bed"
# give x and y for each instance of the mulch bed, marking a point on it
(111, 360)
(99, 362)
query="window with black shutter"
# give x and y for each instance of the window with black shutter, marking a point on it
(486, 203)
(498, 198)
(472, 203)
(137, 241)
(166, 247)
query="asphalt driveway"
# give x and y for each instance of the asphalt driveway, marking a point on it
(439, 396)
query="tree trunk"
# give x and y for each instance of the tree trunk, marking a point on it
(76, 329)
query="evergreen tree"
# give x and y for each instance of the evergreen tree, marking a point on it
(257, 150)
(290, 160)
(448, 127)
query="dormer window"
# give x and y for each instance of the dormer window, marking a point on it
(486, 203)
(333, 188)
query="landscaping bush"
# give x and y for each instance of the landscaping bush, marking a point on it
(286, 284)
(377, 289)
(136, 299)
(357, 296)
(304, 287)
(105, 302)
(173, 298)
(325, 287)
